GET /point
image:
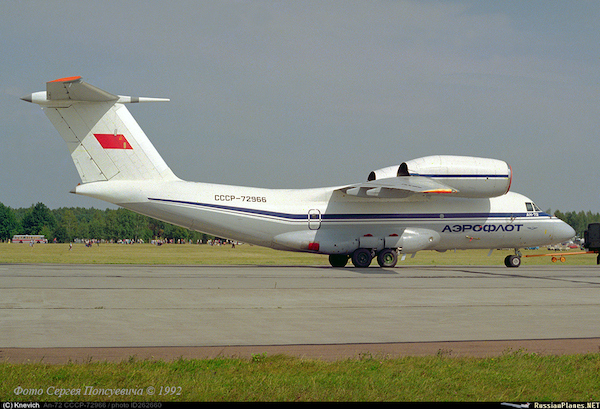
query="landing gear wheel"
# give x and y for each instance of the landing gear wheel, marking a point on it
(338, 260)
(362, 258)
(512, 261)
(387, 258)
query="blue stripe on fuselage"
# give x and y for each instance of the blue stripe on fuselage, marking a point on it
(474, 176)
(355, 216)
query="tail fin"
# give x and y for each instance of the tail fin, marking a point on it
(105, 141)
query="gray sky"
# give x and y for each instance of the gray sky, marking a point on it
(314, 93)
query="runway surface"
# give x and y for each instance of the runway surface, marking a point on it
(54, 312)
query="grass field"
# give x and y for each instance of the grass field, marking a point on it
(514, 376)
(241, 254)
(511, 377)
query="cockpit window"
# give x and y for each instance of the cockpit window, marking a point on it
(531, 207)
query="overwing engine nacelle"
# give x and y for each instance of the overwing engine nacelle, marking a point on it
(470, 176)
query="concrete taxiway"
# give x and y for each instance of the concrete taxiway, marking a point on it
(69, 307)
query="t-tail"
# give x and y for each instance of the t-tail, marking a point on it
(104, 140)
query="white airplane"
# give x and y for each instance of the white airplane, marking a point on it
(432, 203)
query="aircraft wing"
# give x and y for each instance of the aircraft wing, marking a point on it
(397, 187)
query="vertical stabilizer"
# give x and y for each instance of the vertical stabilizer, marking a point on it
(104, 140)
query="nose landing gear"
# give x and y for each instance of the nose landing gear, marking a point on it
(513, 260)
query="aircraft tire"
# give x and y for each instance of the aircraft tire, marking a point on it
(362, 258)
(387, 258)
(512, 261)
(338, 260)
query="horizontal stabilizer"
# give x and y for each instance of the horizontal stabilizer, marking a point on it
(64, 91)
(397, 188)
(74, 89)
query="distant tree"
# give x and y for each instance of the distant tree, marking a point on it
(60, 233)
(83, 231)
(97, 226)
(69, 222)
(126, 224)
(9, 225)
(578, 220)
(157, 228)
(38, 218)
(175, 232)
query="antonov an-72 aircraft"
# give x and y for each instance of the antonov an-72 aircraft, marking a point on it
(430, 203)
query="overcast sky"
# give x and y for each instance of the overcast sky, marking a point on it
(314, 93)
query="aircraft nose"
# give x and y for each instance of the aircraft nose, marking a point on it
(563, 232)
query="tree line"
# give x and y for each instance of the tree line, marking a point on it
(578, 220)
(69, 223)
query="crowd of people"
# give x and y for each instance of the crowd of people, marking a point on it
(157, 242)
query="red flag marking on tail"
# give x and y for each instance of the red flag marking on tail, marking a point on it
(111, 141)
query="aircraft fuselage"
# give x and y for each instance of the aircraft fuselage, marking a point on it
(299, 219)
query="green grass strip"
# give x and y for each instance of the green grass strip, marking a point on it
(510, 377)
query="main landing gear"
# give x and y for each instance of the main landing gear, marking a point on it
(362, 258)
(389, 257)
(338, 260)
